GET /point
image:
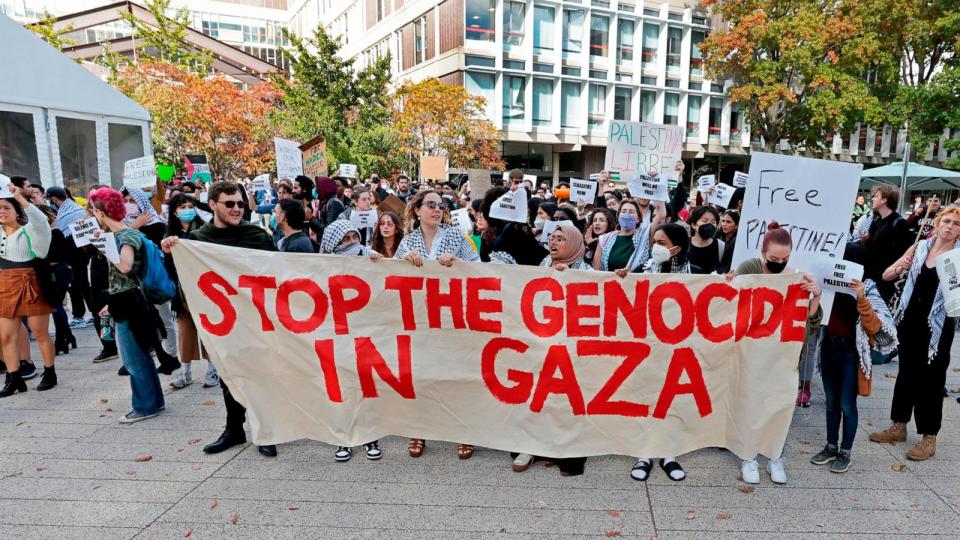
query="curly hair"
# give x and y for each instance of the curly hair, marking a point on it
(110, 202)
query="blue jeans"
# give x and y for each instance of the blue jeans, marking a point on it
(144, 382)
(839, 363)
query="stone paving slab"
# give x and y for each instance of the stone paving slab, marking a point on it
(69, 470)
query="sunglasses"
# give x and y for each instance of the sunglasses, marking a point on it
(433, 205)
(230, 204)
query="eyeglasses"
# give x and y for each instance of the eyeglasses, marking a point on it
(230, 204)
(433, 205)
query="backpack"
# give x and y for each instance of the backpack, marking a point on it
(154, 280)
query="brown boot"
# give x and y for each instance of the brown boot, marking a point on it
(923, 450)
(895, 433)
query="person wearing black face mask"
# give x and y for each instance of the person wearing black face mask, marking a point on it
(706, 251)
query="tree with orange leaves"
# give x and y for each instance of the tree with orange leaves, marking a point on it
(195, 114)
(439, 119)
(805, 69)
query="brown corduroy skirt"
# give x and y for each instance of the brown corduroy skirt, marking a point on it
(20, 294)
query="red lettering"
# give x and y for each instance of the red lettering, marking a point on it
(558, 360)
(743, 313)
(331, 380)
(577, 311)
(683, 361)
(340, 305)
(285, 315)
(404, 285)
(257, 286)
(452, 300)
(633, 354)
(679, 293)
(795, 308)
(762, 297)
(706, 328)
(208, 284)
(553, 316)
(369, 360)
(511, 395)
(477, 306)
(635, 313)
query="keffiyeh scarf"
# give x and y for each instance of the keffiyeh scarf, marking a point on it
(938, 313)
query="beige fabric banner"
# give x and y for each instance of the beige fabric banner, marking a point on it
(561, 364)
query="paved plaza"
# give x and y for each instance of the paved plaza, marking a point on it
(69, 470)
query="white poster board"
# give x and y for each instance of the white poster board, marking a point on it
(653, 188)
(106, 244)
(260, 183)
(721, 195)
(835, 275)
(140, 173)
(639, 147)
(706, 182)
(550, 226)
(347, 170)
(584, 191)
(289, 158)
(511, 206)
(810, 198)
(366, 219)
(461, 219)
(5, 187)
(740, 179)
(82, 230)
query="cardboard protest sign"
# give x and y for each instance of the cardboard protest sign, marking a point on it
(106, 244)
(433, 167)
(314, 157)
(461, 219)
(639, 147)
(197, 168)
(260, 183)
(82, 230)
(584, 191)
(514, 358)
(511, 206)
(480, 182)
(393, 204)
(363, 219)
(653, 188)
(740, 179)
(347, 170)
(140, 173)
(721, 195)
(5, 192)
(289, 158)
(835, 275)
(706, 182)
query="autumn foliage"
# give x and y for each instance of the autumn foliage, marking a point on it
(204, 115)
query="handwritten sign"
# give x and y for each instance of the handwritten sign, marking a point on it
(706, 182)
(639, 147)
(289, 158)
(584, 191)
(947, 270)
(140, 172)
(5, 192)
(479, 182)
(197, 168)
(836, 275)
(347, 170)
(511, 206)
(106, 244)
(461, 218)
(653, 188)
(740, 179)
(314, 157)
(363, 219)
(82, 230)
(721, 195)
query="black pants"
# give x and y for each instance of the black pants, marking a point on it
(236, 413)
(919, 387)
(80, 288)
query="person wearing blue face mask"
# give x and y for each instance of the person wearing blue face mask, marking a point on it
(628, 248)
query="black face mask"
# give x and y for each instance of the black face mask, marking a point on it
(776, 267)
(707, 231)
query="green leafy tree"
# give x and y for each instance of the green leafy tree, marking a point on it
(935, 108)
(56, 38)
(165, 40)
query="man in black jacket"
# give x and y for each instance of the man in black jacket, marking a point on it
(290, 221)
(888, 237)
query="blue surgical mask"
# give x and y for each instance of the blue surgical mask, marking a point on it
(187, 215)
(628, 221)
(314, 192)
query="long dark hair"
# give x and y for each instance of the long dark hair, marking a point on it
(378, 244)
(21, 215)
(174, 228)
(678, 237)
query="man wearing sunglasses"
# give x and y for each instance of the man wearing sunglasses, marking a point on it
(228, 228)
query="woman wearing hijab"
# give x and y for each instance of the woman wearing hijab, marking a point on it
(566, 248)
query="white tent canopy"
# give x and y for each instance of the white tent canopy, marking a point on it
(59, 123)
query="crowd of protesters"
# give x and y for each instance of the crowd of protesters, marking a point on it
(898, 309)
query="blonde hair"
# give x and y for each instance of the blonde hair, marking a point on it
(951, 210)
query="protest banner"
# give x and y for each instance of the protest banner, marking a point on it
(740, 179)
(5, 192)
(433, 167)
(653, 188)
(260, 183)
(363, 219)
(197, 168)
(511, 206)
(289, 158)
(706, 182)
(140, 172)
(480, 182)
(82, 230)
(639, 147)
(347, 170)
(106, 244)
(584, 191)
(721, 195)
(516, 358)
(314, 157)
(835, 275)
(460, 218)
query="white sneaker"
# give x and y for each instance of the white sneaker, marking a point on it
(750, 471)
(182, 381)
(777, 474)
(522, 462)
(211, 379)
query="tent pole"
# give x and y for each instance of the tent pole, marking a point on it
(903, 177)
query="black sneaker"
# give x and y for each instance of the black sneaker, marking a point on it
(104, 356)
(373, 451)
(841, 463)
(123, 371)
(342, 454)
(27, 370)
(828, 454)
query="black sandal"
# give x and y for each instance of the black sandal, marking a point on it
(672, 467)
(644, 466)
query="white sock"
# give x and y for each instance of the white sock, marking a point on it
(185, 368)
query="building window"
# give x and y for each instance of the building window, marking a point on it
(126, 142)
(736, 122)
(716, 113)
(599, 35)
(651, 36)
(513, 97)
(572, 32)
(675, 16)
(598, 105)
(19, 142)
(693, 116)
(570, 104)
(625, 41)
(652, 81)
(78, 152)
(480, 22)
(542, 102)
(696, 57)
(648, 104)
(483, 85)
(485, 61)
(671, 108)
(513, 13)
(650, 12)
(695, 85)
(621, 104)
(381, 9)
(674, 39)
(419, 45)
(571, 71)
(597, 74)
(672, 83)
(542, 68)
(543, 18)
(514, 64)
